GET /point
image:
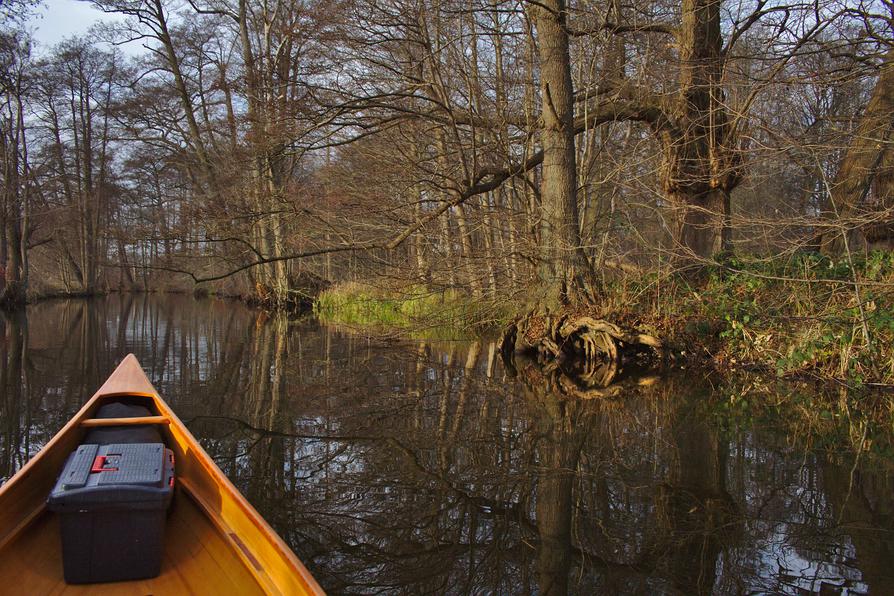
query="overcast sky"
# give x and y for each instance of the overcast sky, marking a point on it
(58, 19)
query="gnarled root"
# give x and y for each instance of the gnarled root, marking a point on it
(598, 346)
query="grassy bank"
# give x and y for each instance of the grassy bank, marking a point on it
(805, 316)
(415, 310)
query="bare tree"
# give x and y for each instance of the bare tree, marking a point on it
(15, 62)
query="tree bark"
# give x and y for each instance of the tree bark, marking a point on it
(14, 286)
(866, 165)
(699, 173)
(561, 258)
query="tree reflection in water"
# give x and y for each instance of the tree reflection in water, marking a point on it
(424, 467)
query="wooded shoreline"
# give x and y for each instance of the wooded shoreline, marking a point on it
(694, 171)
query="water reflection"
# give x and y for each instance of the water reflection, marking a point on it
(423, 467)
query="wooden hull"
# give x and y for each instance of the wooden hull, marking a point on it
(215, 543)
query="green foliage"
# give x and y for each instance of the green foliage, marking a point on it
(801, 315)
(798, 315)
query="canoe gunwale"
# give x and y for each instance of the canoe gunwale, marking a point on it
(245, 508)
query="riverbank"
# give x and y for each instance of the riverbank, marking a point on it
(414, 311)
(808, 316)
(39, 295)
(805, 317)
(786, 342)
(819, 411)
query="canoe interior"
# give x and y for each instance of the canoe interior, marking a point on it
(196, 560)
(213, 536)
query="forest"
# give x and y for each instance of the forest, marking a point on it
(718, 173)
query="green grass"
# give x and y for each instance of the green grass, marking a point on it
(416, 310)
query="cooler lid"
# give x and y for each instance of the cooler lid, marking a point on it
(116, 473)
(135, 464)
(77, 468)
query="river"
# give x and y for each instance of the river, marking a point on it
(426, 467)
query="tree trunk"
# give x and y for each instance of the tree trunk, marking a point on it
(561, 258)
(13, 288)
(183, 93)
(867, 163)
(698, 172)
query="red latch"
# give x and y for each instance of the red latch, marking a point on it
(98, 464)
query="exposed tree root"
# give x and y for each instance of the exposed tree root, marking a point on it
(596, 348)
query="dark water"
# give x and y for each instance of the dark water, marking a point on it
(423, 468)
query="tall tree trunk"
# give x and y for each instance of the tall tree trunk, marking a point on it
(183, 93)
(260, 87)
(503, 218)
(14, 286)
(562, 261)
(459, 212)
(699, 173)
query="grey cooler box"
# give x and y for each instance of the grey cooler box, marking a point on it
(112, 502)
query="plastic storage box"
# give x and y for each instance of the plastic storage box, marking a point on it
(112, 502)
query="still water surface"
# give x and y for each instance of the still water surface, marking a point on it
(426, 468)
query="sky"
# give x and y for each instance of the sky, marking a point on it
(59, 19)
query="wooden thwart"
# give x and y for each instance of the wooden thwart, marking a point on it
(136, 421)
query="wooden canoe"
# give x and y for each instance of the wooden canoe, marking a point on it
(215, 541)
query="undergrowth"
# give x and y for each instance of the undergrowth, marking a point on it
(807, 315)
